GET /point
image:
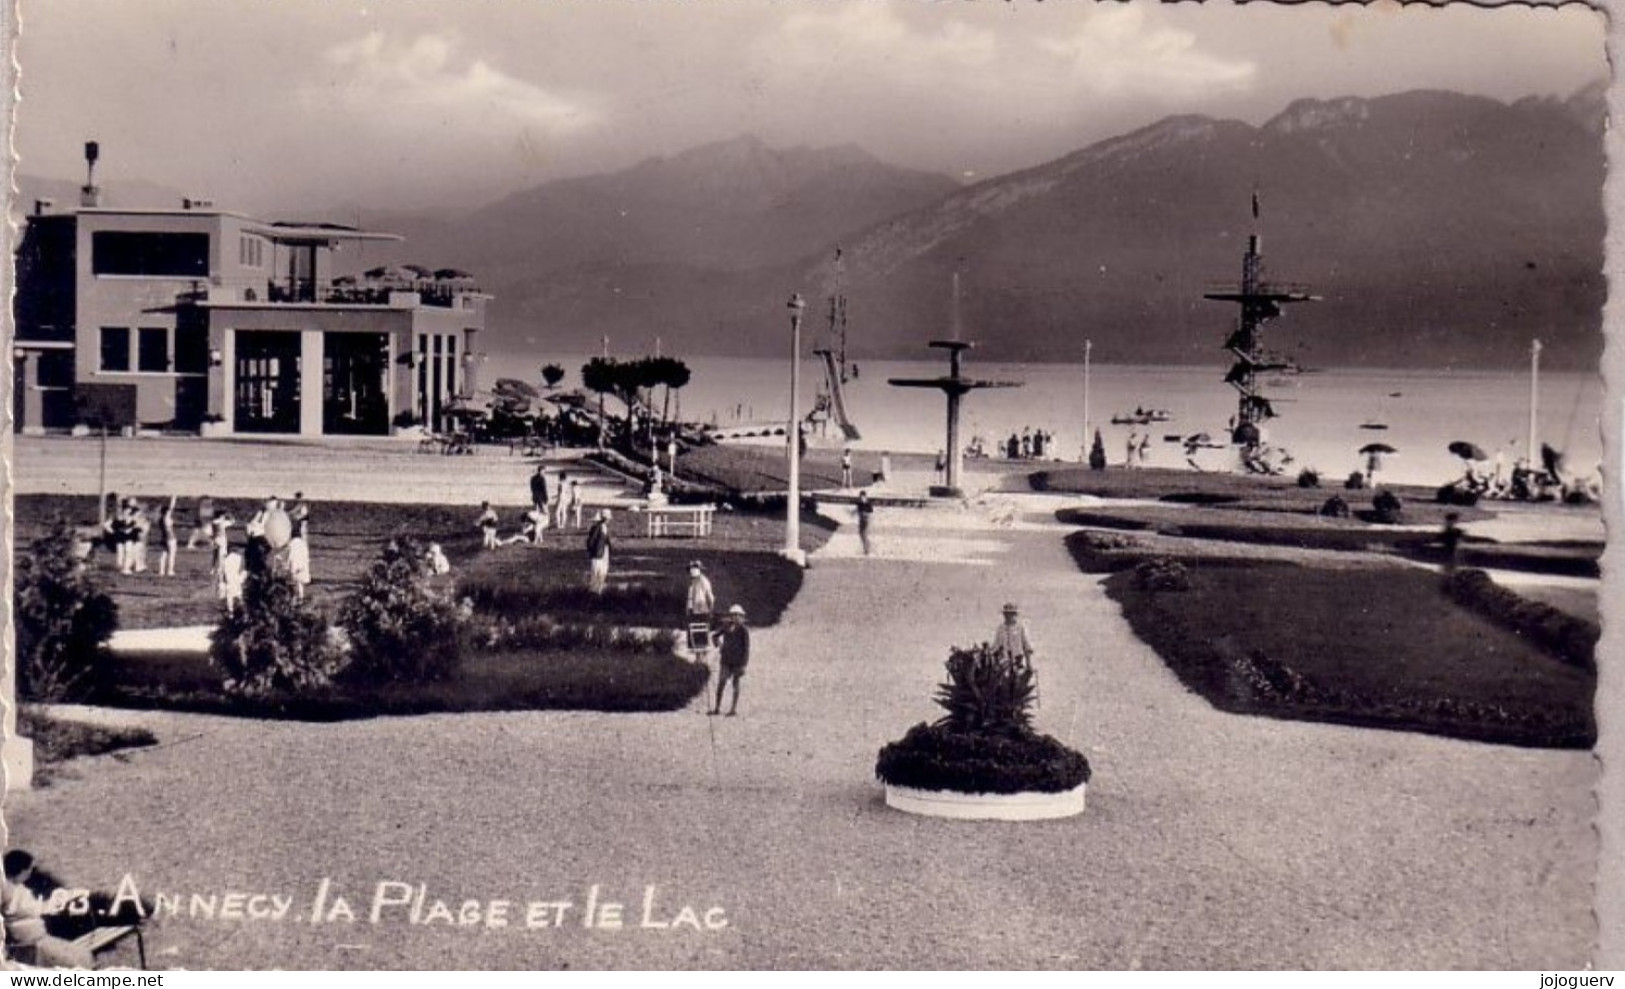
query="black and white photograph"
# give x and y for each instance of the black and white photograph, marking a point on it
(785, 485)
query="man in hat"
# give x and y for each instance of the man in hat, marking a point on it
(701, 603)
(733, 657)
(1011, 639)
(598, 545)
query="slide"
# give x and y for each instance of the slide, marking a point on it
(837, 401)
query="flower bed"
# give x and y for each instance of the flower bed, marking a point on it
(983, 760)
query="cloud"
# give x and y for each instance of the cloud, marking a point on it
(1124, 51)
(424, 77)
(874, 34)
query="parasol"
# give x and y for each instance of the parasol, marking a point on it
(1468, 451)
(1379, 448)
(515, 387)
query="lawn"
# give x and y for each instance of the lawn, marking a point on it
(647, 582)
(347, 536)
(579, 679)
(1229, 523)
(57, 740)
(1377, 645)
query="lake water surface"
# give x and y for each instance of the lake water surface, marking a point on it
(1320, 414)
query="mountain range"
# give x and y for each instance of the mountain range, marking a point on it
(1437, 229)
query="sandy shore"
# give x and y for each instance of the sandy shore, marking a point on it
(1211, 840)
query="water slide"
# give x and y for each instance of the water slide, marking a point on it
(837, 400)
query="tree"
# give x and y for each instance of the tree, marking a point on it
(1097, 453)
(64, 620)
(273, 641)
(598, 376)
(402, 627)
(552, 374)
(670, 373)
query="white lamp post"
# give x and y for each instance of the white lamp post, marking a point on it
(792, 511)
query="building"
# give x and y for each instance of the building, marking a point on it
(204, 320)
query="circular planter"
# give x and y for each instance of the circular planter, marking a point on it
(1025, 806)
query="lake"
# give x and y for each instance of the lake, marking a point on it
(1320, 418)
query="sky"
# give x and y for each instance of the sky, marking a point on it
(273, 104)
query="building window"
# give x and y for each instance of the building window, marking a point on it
(153, 354)
(155, 255)
(250, 252)
(192, 349)
(56, 369)
(115, 348)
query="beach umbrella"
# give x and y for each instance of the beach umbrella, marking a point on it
(1377, 448)
(451, 274)
(515, 387)
(419, 270)
(1468, 451)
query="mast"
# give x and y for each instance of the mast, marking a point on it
(1534, 401)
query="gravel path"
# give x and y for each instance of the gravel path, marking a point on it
(1210, 840)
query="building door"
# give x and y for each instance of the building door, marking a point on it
(354, 378)
(267, 382)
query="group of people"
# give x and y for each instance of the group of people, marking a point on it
(130, 527)
(730, 639)
(549, 508)
(1137, 449)
(1029, 444)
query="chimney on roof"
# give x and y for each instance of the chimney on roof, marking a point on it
(89, 194)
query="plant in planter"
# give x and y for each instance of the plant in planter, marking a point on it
(983, 759)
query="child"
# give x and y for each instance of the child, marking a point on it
(436, 558)
(299, 565)
(218, 541)
(229, 579)
(487, 523)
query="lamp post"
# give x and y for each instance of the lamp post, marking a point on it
(1088, 345)
(1534, 402)
(792, 511)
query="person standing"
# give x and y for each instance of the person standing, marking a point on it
(299, 565)
(168, 538)
(1011, 640)
(866, 511)
(487, 523)
(538, 489)
(942, 467)
(202, 523)
(299, 515)
(846, 467)
(1133, 448)
(561, 516)
(733, 656)
(701, 603)
(218, 540)
(598, 546)
(229, 580)
(1143, 449)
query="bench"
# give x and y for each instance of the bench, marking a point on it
(104, 938)
(679, 520)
